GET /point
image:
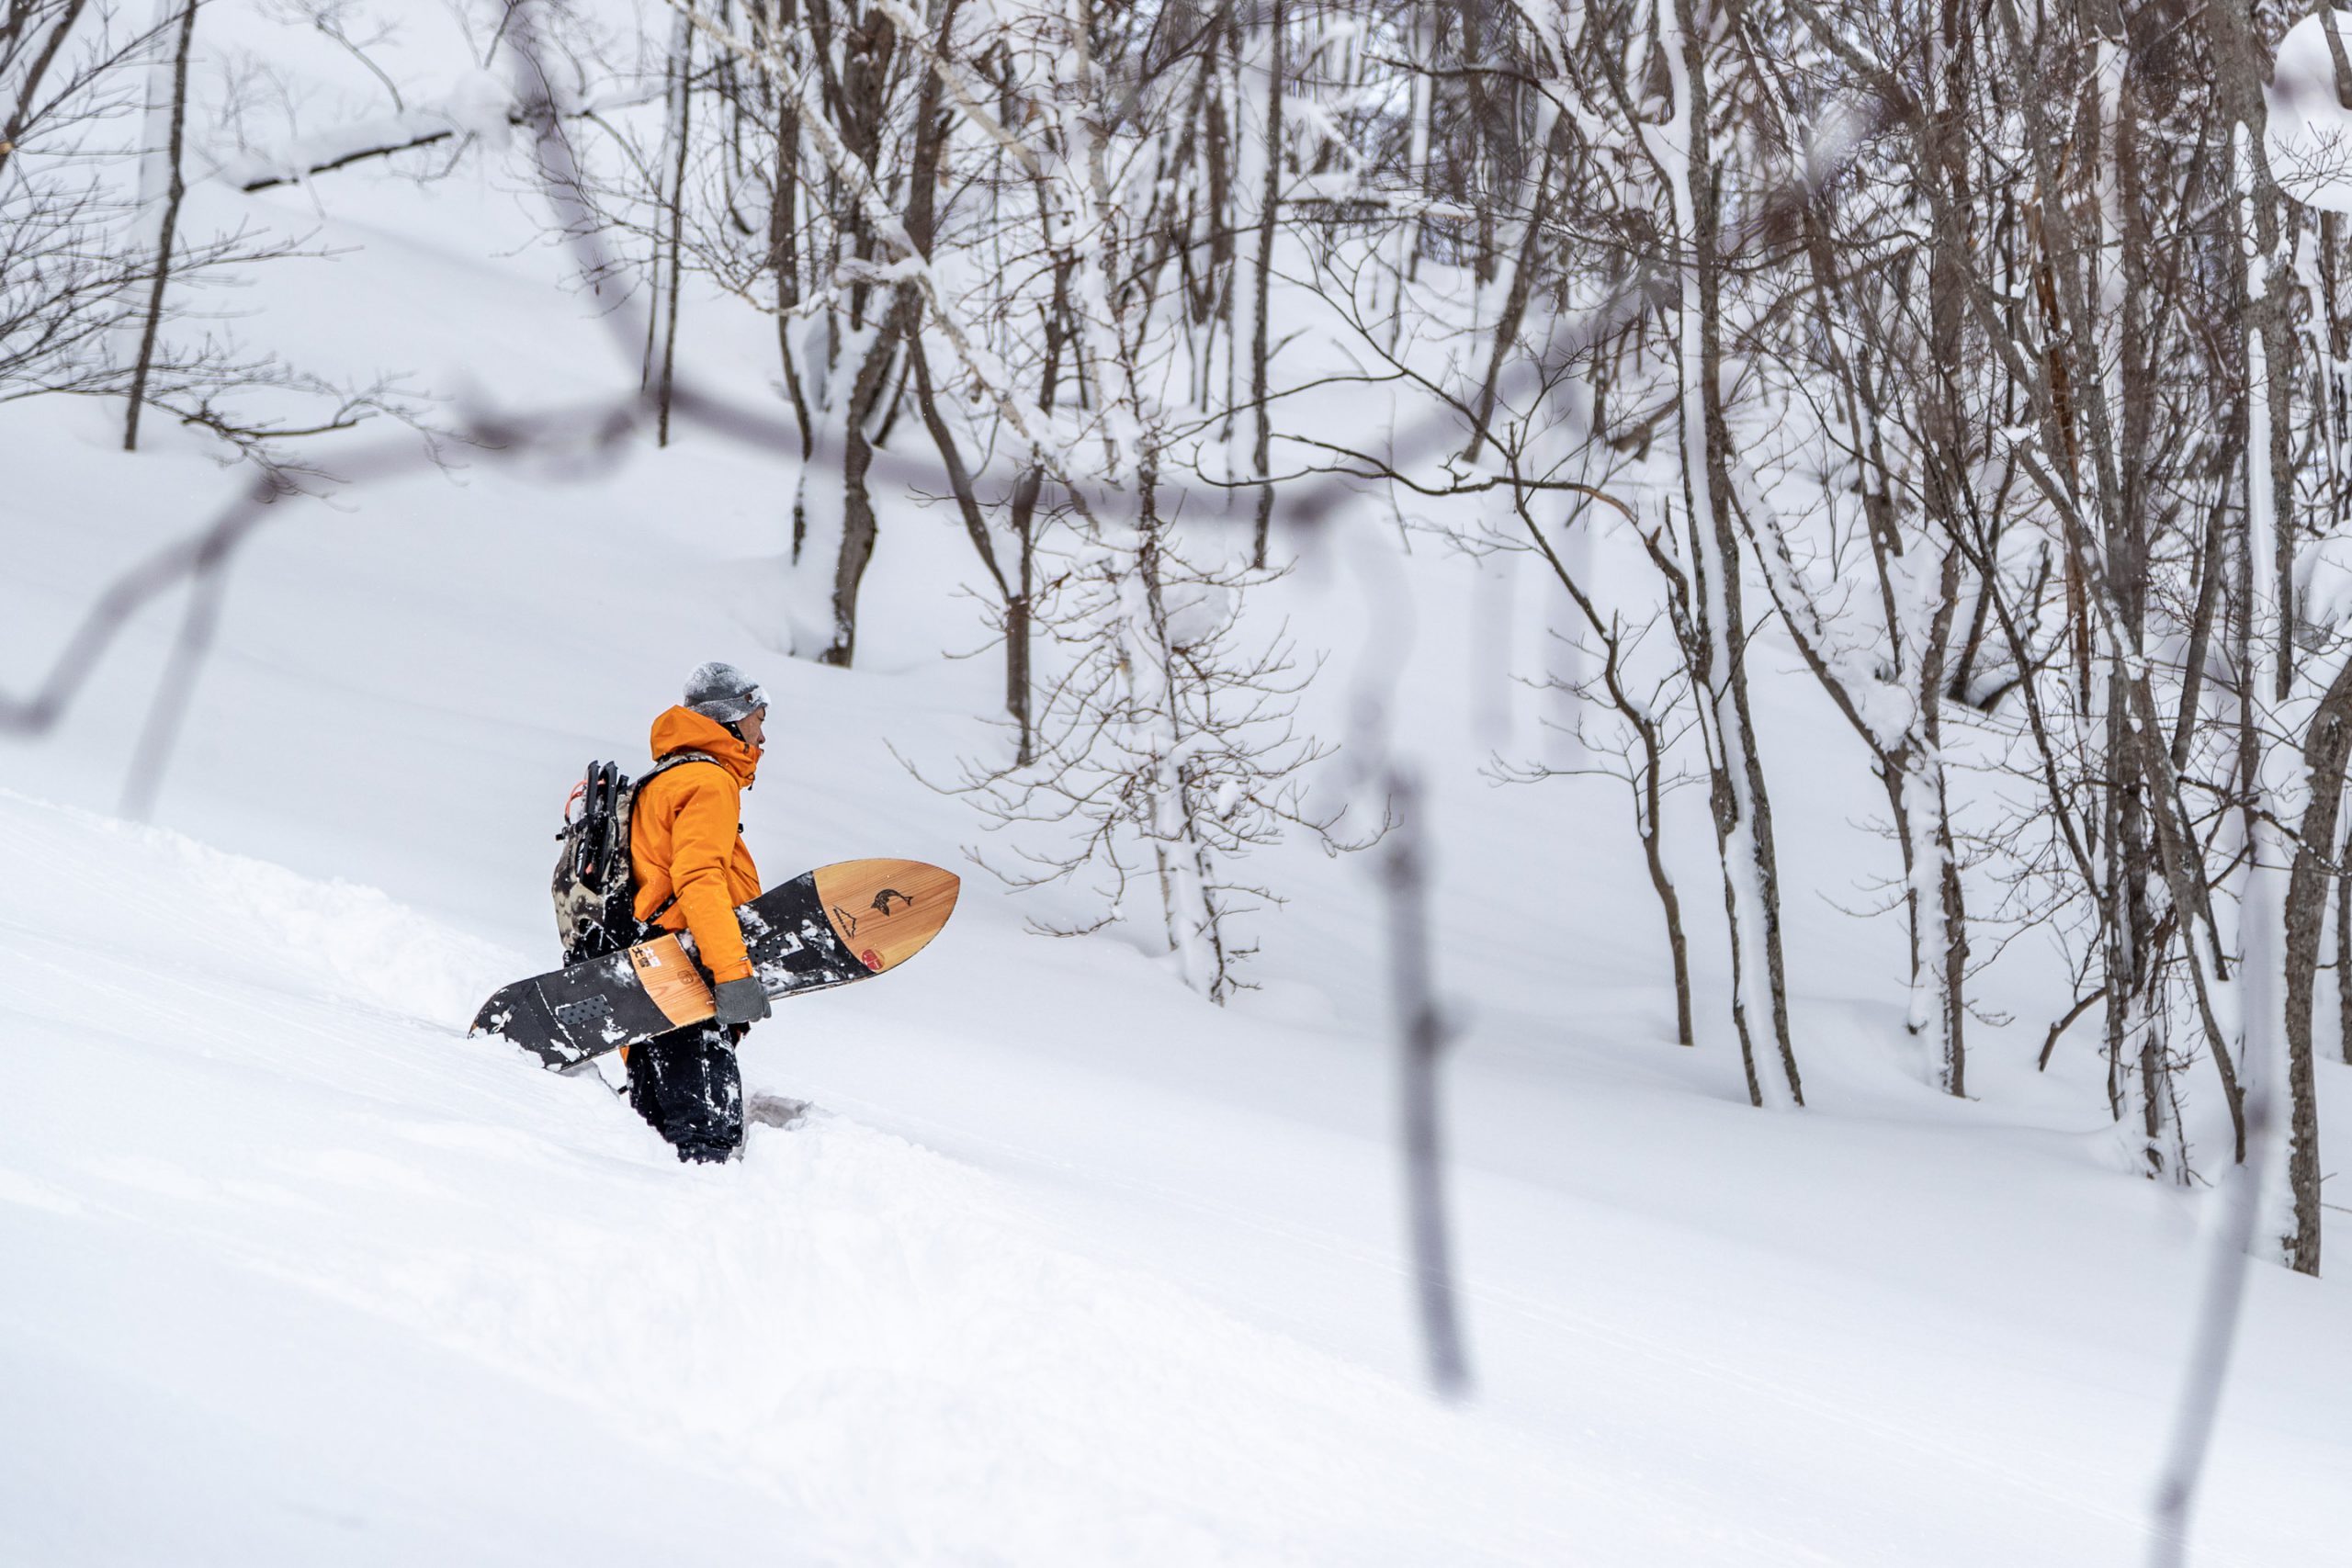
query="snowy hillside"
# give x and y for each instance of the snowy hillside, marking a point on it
(1066, 1264)
(1067, 1267)
(1064, 1269)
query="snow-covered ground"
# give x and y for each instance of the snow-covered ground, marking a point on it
(1068, 1267)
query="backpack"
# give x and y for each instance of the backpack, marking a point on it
(594, 886)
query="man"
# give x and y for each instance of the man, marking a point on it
(692, 868)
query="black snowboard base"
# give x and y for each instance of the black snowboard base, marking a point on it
(824, 928)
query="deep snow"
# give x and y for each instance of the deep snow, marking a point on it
(1069, 1267)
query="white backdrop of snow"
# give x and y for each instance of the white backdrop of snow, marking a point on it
(1070, 1266)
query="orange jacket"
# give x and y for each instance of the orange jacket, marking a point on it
(686, 837)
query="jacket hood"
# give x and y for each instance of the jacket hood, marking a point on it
(683, 729)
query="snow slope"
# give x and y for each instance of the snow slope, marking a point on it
(1073, 1269)
(299, 1271)
(1070, 1267)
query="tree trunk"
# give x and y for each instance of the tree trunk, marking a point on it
(682, 62)
(2326, 747)
(859, 528)
(168, 231)
(1743, 807)
(1669, 901)
(2343, 947)
(784, 244)
(1270, 200)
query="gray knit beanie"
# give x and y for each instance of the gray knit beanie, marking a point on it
(724, 692)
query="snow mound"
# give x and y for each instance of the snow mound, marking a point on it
(330, 939)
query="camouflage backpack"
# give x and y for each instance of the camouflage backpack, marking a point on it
(594, 887)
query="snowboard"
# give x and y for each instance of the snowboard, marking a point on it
(824, 928)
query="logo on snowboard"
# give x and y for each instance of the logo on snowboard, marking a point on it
(881, 906)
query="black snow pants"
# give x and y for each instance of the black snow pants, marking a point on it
(687, 1085)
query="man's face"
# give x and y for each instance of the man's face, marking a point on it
(755, 728)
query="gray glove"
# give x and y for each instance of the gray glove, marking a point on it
(742, 1001)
